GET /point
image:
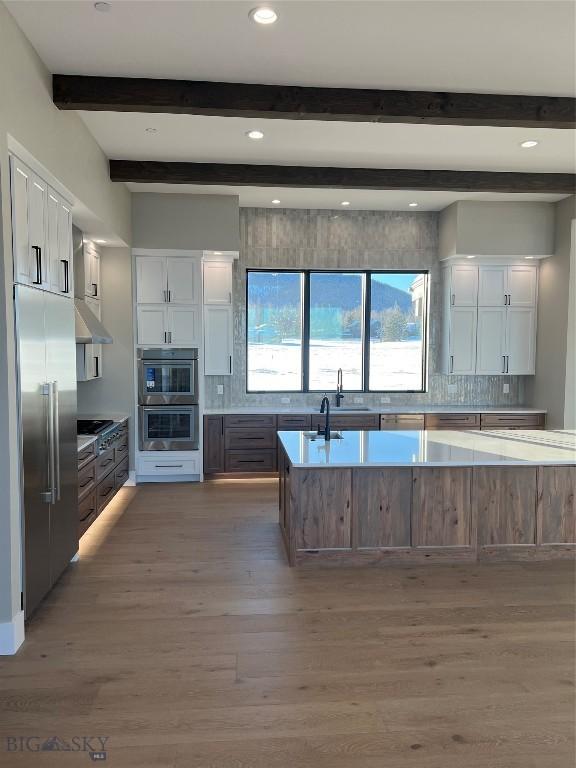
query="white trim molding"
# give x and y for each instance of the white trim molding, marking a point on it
(12, 635)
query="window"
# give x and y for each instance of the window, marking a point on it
(302, 326)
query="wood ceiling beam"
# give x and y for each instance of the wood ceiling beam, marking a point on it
(339, 178)
(288, 102)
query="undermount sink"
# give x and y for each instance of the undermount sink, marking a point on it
(351, 408)
(313, 436)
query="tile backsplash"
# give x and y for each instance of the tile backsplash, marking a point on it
(320, 239)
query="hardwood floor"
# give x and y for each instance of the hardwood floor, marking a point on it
(183, 637)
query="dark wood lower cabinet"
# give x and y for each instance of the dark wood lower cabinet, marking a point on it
(213, 444)
(100, 477)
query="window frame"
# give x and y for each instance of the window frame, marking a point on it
(366, 337)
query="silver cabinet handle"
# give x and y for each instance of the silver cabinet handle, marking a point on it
(507, 363)
(453, 299)
(48, 496)
(165, 295)
(451, 363)
(56, 414)
(169, 295)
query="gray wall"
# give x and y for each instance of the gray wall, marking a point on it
(483, 228)
(548, 388)
(114, 392)
(185, 222)
(274, 238)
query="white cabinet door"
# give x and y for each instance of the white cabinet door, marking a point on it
(94, 351)
(65, 248)
(151, 281)
(91, 271)
(462, 346)
(56, 268)
(521, 341)
(183, 280)
(522, 281)
(37, 221)
(464, 286)
(151, 325)
(491, 341)
(183, 325)
(217, 282)
(217, 341)
(492, 286)
(24, 269)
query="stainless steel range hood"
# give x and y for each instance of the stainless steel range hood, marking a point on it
(89, 330)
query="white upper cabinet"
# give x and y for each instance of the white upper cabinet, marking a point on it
(218, 282)
(462, 341)
(183, 325)
(151, 284)
(21, 179)
(491, 341)
(522, 286)
(183, 280)
(217, 341)
(492, 286)
(91, 271)
(152, 325)
(463, 285)
(41, 232)
(521, 341)
(167, 280)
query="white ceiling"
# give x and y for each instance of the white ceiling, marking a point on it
(499, 46)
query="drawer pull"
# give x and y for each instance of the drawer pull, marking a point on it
(109, 460)
(169, 466)
(86, 482)
(250, 461)
(106, 491)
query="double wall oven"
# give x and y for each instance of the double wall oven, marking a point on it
(168, 399)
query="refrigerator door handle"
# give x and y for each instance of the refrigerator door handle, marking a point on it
(48, 496)
(56, 433)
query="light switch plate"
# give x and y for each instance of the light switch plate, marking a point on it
(452, 389)
(219, 389)
(285, 400)
(384, 399)
(506, 389)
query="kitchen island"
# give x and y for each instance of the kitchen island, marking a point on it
(428, 496)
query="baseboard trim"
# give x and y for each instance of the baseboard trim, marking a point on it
(131, 478)
(12, 635)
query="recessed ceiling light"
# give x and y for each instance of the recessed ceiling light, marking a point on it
(529, 257)
(151, 130)
(100, 242)
(263, 15)
(470, 257)
(255, 134)
(529, 143)
(345, 202)
(275, 202)
(102, 7)
(413, 205)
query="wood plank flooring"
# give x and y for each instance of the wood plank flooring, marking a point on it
(183, 637)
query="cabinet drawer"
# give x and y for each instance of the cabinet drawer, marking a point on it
(402, 421)
(87, 506)
(121, 449)
(104, 463)
(121, 473)
(168, 466)
(86, 455)
(452, 420)
(345, 422)
(294, 421)
(250, 461)
(86, 479)
(519, 421)
(250, 438)
(105, 491)
(250, 420)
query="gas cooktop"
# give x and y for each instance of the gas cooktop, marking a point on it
(92, 426)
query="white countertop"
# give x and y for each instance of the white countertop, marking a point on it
(433, 448)
(85, 440)
(380, 409)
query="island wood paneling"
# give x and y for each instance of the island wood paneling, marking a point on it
(556, 509)
(381, 503)
(504, 501)
(321, 508)
(441, 509)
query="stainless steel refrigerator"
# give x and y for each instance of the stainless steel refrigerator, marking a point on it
(47, 387)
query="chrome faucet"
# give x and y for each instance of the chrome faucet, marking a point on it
(339, 395)
(325, 408)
